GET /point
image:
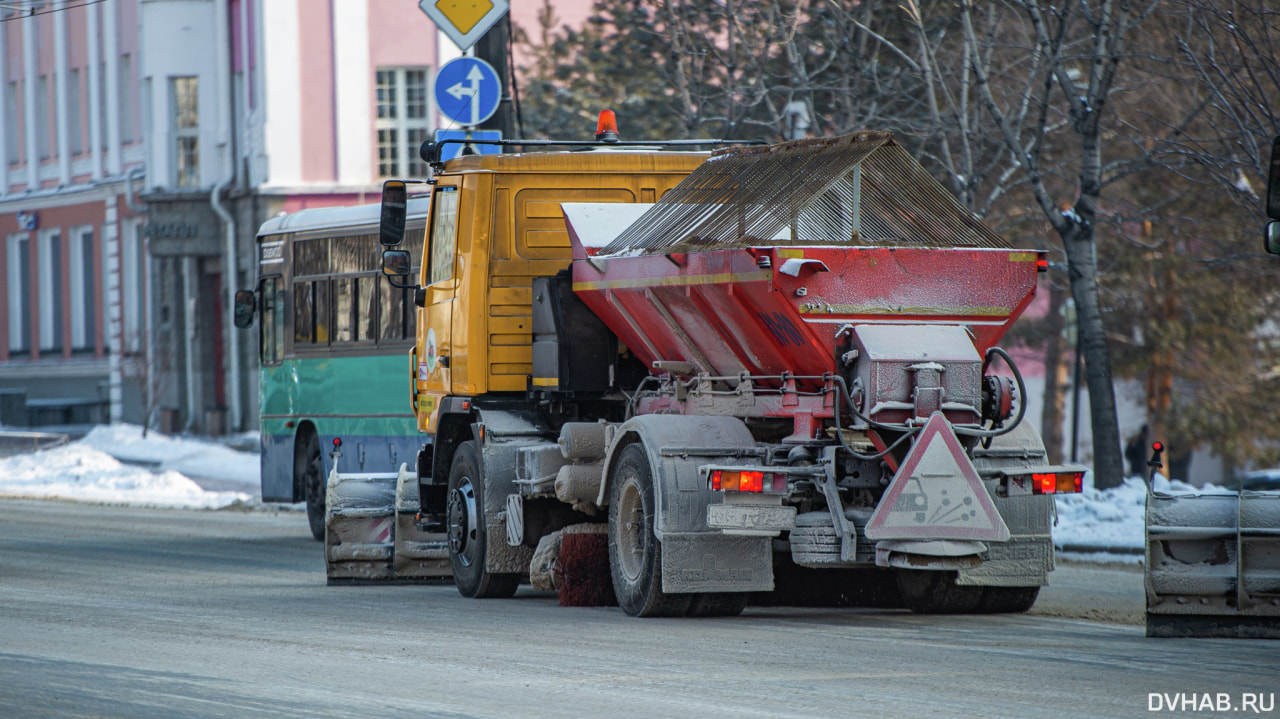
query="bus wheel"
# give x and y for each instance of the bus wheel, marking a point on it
(466, 527)
(313, 487)
(635, 555)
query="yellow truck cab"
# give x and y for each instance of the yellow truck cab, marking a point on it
(495, 225)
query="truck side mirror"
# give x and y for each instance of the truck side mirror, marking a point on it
(394, 209)
(244, 307)
(396, 263)
(1272, 240)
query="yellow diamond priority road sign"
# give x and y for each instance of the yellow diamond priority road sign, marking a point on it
(464, 21)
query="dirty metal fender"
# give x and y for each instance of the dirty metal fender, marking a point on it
(676, 446)
(1027, 558)
(504, 432)
(695, 557)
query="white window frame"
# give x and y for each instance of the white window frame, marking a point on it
(397, 154)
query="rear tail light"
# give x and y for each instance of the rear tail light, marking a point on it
(1057, 482)
(728, 480)
(1063, 479)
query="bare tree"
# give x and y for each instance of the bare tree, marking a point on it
(1067, 76)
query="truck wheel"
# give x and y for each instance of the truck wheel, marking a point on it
(467, 535)
(935, 592)
(313, 486)
(635, 555)
(717, 604)
(1007, 600)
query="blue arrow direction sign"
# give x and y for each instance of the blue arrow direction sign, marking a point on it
(452, 150)
(468, 91)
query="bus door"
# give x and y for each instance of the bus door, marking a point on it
(435, 340)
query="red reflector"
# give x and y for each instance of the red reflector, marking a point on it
(1042, 265)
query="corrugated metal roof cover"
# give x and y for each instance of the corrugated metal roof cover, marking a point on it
(858, 189)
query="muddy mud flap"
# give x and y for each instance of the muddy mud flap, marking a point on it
(419, 555)
(1213, 565)
(367, 538)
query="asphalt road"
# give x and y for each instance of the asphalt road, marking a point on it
(126, 612)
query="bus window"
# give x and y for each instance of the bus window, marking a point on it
(367, 307)
(272, 327)
(343, 326)
(356, 254)
(311, 257)
(392, 324)
(304, 312)
(444, 229)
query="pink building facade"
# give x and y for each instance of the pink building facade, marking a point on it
(146, 141)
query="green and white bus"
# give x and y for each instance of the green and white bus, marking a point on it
(335, 338)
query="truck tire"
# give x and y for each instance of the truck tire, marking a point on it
(1007, 600)
(717, 604)
(635, 554)
(468, 538)
(936, 592)
(313, 486)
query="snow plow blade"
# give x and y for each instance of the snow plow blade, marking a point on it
(371, 533)
(1213, 565)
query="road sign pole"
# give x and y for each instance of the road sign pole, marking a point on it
(493, 48)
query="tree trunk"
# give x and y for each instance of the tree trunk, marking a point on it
(1108, 463)
(1056, 368)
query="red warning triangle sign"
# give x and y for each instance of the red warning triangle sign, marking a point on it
(937, 494)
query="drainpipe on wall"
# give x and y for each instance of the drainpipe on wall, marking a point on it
(231, 280)
(134, 205)
(229, 284)
(189, 336)
(148, 280)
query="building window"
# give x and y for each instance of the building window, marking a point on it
(73, 111)
(102, 107)
(132, 258)
(50, 289)
(126, 99)
(404, 120)
(42, 115)
(83, 290)
(12, 118)
(186, 131)
(19, 266)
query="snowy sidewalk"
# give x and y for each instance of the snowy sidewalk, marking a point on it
(115, 464)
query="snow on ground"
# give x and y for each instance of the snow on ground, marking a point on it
(1096, 520)
(116, 465)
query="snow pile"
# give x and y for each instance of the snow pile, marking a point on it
(116, 465)
(191, 457)
(1101, 519)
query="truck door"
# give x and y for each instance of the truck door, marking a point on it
(435, 339)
